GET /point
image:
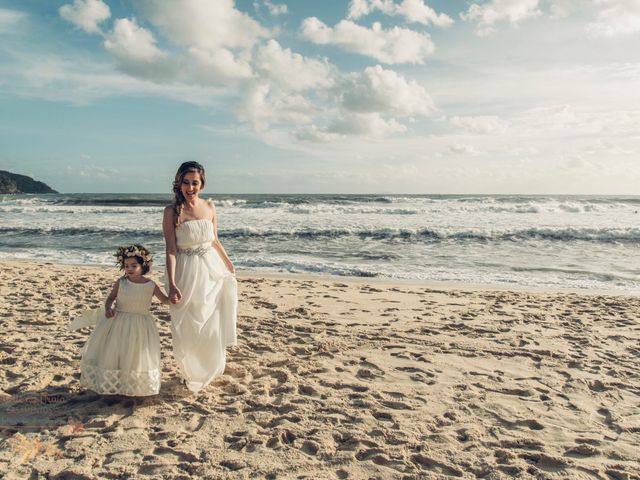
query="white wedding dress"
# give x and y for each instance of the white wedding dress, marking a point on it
(203, 324)
(122, 354)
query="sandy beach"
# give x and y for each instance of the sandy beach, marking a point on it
(333, 379)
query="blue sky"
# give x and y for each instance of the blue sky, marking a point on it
(361, 96)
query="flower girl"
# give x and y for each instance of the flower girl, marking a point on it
(122, 355)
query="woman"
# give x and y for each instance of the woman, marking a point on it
(200, 281)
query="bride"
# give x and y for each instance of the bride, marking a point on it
(200, 280)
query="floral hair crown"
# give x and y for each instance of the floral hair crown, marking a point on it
(135, 250)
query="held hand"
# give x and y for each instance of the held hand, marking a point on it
(231, 268)
(175, 295)
(109, 313)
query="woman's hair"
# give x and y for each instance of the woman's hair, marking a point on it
(137, 251)
(179, 200)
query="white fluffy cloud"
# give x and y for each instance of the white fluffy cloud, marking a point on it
(265, 105)
(216, 38)
(396, 45)
(369, 104)
(385, 91)
(130, 41)
(486, 15)
(292, 70)
(414, 11)
(221, 66)
(203, 24)
(616, 17)
(86, 14)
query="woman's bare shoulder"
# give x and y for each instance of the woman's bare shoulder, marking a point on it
(168, 216)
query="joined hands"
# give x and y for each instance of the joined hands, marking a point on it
(175, 295)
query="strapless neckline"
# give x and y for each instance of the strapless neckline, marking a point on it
(196, 220)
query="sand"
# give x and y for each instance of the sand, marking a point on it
(333, 378)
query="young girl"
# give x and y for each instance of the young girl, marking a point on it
(122, 355)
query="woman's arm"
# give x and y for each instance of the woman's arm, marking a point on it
(108, 304)
(159, 294)
(169, 230)
(216, 242)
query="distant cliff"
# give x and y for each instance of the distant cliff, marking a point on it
(14, 183)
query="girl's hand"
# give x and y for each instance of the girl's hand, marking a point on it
(109, 313)
(231, 268)
(175, 295)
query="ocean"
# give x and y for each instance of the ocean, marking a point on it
(577, 242)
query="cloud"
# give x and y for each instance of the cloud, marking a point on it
(203, 24)
(292, 70)
(215, 40)
(385, 91)
(86, 14)
(368, 104)
(218, 67)
(276, 9)
(488, 14)
(396, 45)
(414, 11)
(312, 133)
(370, 124)
(135, 51)
(480, 124)
(616, 17)
(351, 124)
(130, 41)
(265, 105)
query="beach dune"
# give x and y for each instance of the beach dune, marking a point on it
(333, 378)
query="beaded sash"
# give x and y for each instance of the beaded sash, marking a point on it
(200, 250)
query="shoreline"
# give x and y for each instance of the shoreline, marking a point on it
(382, 281)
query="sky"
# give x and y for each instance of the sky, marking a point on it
(360, 96)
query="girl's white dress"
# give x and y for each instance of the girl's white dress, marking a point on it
(203, 324)
(122, 355)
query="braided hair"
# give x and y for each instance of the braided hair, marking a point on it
(179, 200)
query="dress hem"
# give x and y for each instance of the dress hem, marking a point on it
(120, 382)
